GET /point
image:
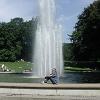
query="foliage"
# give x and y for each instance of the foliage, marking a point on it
(16, 39)
(85, 38)
(67, 54)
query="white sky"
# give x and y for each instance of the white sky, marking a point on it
(67, 11)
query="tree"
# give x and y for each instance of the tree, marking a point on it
(67, 55)
(86, 37)
(29, 29)
(16, 39)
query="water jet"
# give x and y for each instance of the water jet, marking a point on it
(48, 41)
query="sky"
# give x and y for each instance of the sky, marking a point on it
(67, 12)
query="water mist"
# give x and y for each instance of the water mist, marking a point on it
(48, 41)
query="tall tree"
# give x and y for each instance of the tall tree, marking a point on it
(16, 39)
(67, 55)
(86, 37)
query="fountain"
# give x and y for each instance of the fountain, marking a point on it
(48, 41)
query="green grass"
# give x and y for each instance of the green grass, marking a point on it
(77, 69)
(18, 66)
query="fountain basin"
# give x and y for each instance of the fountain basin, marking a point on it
(49, 89)
(69, 77)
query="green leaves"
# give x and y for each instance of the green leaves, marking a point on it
(85, 38)
(16, 39)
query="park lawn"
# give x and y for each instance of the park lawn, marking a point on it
(18, 66)
(77, 69)
(21, 66)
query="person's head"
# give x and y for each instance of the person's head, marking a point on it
(54, 70)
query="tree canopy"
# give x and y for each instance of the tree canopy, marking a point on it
(67, 51)
(86, 37)
(16, 39)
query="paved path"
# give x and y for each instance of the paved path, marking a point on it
(30, 97)
(32, 91)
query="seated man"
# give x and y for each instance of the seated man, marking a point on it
(53, 77)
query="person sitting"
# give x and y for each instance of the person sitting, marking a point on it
(53, 77)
